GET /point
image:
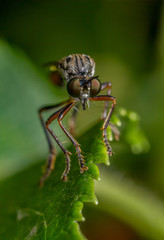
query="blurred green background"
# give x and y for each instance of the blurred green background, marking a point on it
(126, 40)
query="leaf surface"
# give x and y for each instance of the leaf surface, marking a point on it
(52, 211)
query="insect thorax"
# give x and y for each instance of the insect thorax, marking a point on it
(77, 66)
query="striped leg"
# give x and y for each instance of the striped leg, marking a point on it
(75, 143)
(52, 152)
(107, 119)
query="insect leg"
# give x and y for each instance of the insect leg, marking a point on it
(108, 86)
(67, 153)
(72, 120)
(107, 120)
(75, 143)
(52, 152)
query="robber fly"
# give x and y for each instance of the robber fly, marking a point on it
(77, 70)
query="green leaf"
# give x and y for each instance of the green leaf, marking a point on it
(27, 210)
(52, 211)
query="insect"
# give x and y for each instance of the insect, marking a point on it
(77, 70)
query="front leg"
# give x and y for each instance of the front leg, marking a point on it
(75, 143)
(108, 86)
(52, 152)
(107, 119)
(104, 86)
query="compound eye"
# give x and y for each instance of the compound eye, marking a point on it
(73, 87)
(95, 87)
